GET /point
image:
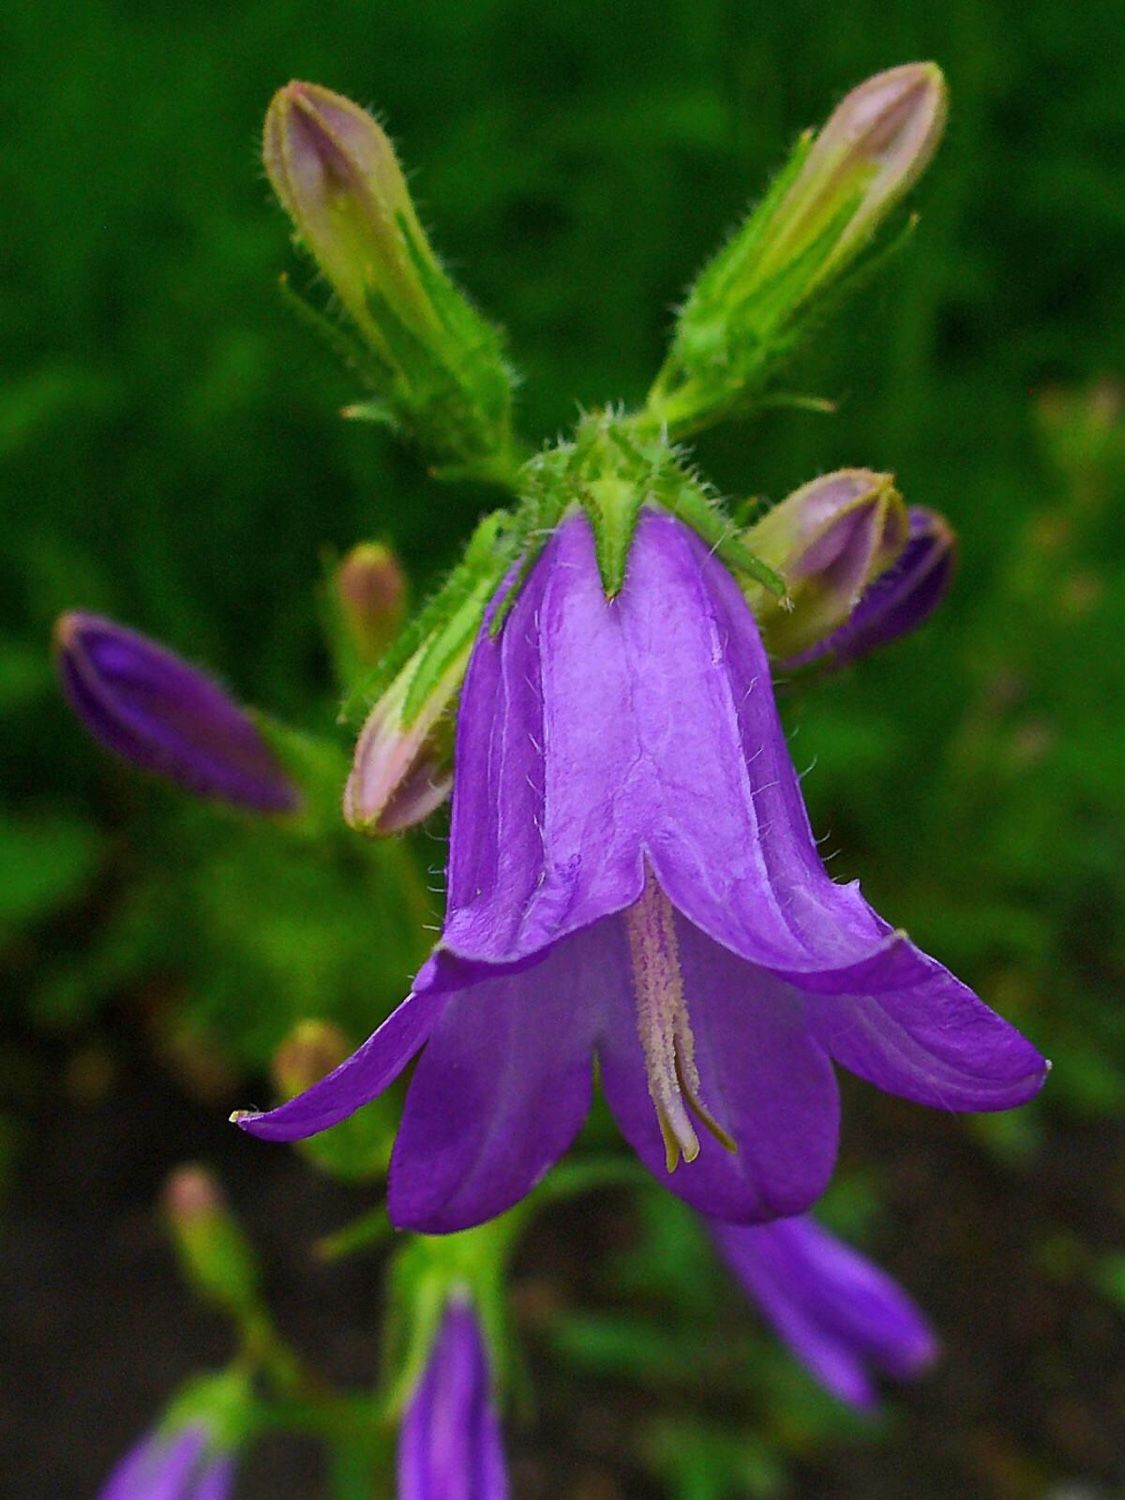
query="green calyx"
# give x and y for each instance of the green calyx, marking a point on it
(445, 627)
(431, 1271)
(222, 1402)
(611, 471)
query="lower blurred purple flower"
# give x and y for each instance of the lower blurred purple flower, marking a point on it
(449, 1445)
(839, 1313)
(152, 709)
(176, 1465)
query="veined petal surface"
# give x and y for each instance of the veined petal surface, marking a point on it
(501, 1090)
(930, 1040)
(595, 733)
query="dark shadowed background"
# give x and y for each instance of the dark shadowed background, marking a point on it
(172, 456)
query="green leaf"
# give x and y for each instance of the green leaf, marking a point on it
(45, 862)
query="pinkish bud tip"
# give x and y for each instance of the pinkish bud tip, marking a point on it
(193, 1193)
(371, 591)
(874, 147)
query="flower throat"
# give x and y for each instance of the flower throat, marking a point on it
(664, 1027)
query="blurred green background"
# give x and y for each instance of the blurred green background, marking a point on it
(172, 456)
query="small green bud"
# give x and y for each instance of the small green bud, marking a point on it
(756, 299)
(434, 362)
(875, 146)
(370, 594)
(215, 1255)
(360, 1146)
(828, 540)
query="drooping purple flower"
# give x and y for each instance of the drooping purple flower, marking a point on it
(153, 709)
(841, 1315)
(176, 1465)
(898, 601)
(449, 1445)
(632, 876)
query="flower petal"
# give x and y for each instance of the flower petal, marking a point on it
(836, 1309)
(931, 1040)
(762, 1077)
(542, 840)
(216, 1481)
(500, 1091)
(359, 1078)
(728, 836)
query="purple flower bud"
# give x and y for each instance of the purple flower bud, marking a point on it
(153, 709)
(898, 601)
(449, 1446)
(829, 541)
(875, 146)
(371, 594)
(177, 1464)
(839, 1313)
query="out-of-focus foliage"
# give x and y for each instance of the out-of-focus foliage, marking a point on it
(172, 456)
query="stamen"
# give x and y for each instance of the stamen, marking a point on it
(701, 1112)
(664, 1028)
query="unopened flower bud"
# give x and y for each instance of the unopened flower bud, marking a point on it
(403, 764)
(403, 769)
(192, 1452)
(842, 1316)
(192, 1196)
(875, 146)
(898, 601)
(337, 177)
(215, 1255)
(829, 541)
(311, 1050)
(753, 303)
(450, 1440)
(435, 362)
(153, 709)
(370, 592)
